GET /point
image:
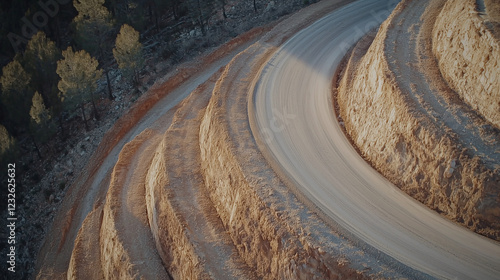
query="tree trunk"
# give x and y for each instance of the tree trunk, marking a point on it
(136, 79)
(84, 118)
(150, 8)
(174, 11)
(157, 22)
(110, 92)
(106, 72)
(61, 126)
(177, 9)
(36, 146)
(95, 108)
(58, 32)
(223, 2)
(200, 19)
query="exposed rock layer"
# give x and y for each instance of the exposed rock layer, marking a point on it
(469, 57)
(196, 199)
(408, 144)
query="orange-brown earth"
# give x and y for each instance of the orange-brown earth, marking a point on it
(191, 197)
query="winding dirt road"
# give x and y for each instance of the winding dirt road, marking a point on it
(295, 117)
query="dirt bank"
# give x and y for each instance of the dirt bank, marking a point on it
(273, 231)
(469, 57)
(405, 128)
(192, 196)
(189, 236)
(54, 255)
(264, 235)
(126, 243)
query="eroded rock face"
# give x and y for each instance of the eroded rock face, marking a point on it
(387, 118)
(469, 57)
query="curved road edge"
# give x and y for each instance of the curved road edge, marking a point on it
(313, 151)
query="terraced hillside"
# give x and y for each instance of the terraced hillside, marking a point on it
(236, 166)
(401, 110)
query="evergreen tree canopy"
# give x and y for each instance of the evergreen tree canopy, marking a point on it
(40, 127)
(41, 58)
(79, 75)
(128, 51)
(91, 10)
(6, 141)
(93, 24)
(14, 78)
(39, 112)
(16, 95)
(42, 49)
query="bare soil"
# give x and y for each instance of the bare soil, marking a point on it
(43, 183)
(198, 208)
(414, 129)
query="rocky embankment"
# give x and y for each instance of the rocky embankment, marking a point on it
(192, 197)
(469, 57)
(404, 118)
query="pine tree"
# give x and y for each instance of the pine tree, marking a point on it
(201, 11)
(41, 58)
(6, 141)
(39, 112)
(14, 77)
(40, 126)
(79, 75)
(93, 26)
(16, 95)
(8, 147)
(128, 52)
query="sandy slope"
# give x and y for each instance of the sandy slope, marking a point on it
(443, 110)
(180, 191)
(313, 151)
(467, 48)
(189, 234)
(419, 79)
(415, 130)
(126, 243)
(89, 190)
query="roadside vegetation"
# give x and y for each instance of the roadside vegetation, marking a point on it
(115, 34)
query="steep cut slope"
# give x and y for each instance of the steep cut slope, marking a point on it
(469, 56)
(275, 233)
(189, 196)
(90, 190)
(411, 128)
(188, 233)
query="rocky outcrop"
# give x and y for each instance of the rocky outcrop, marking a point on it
(469, 57)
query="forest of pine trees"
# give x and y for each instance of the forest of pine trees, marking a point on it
(55, 53)
(70, 68)
(57, 50)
